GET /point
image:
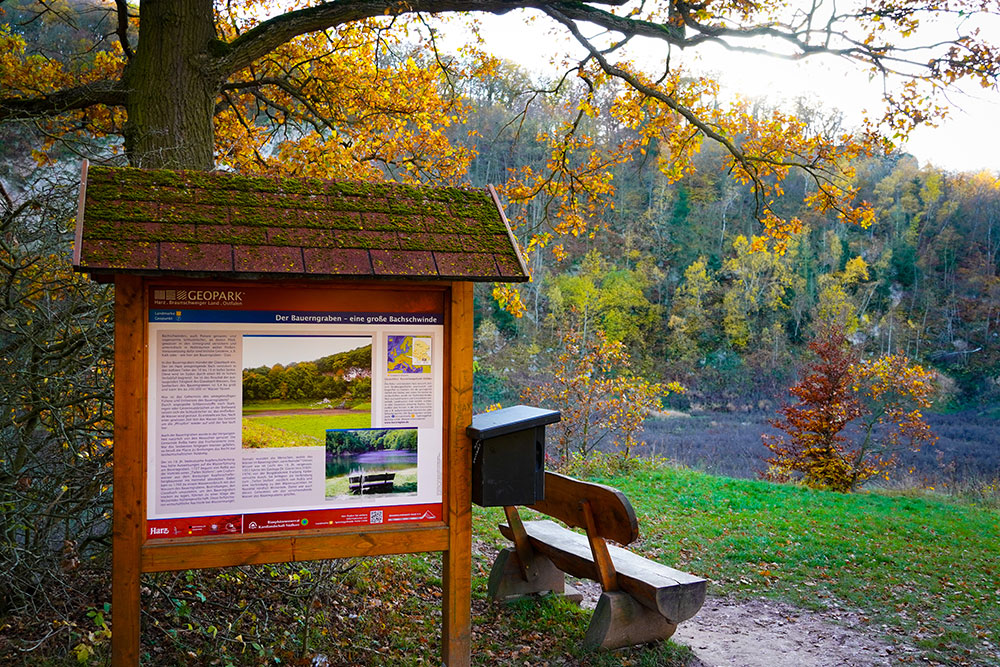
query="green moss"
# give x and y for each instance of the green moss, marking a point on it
(202, 214)
(444, 243)
(238, 197)
(236, 235)
(263, 210)
(253, 217)
(100, 229)
(166, 195)
(311, 202)
(478, 210)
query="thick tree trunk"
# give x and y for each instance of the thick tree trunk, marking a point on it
(171, 95)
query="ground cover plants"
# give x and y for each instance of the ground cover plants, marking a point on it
(405, 481)
(316, 426)
(299, 424)
(919, 569)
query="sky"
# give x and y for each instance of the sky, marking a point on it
(270, 350)
(968, 141)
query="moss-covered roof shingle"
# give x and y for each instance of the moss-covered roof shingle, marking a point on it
(225, 225)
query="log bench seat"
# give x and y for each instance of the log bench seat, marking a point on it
(641, 600)
(366, 483)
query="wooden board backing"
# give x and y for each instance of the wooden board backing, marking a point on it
(166, 555)
(614, 518)
(132, 554)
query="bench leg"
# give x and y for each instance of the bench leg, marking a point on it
(620, 620)
(507, 583)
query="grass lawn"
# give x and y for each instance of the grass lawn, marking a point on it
(924, 567)
(405, 481)
(316, 426)
(257, 435)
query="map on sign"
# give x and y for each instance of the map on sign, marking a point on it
(408, 354)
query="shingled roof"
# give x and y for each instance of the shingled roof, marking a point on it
(223, 225)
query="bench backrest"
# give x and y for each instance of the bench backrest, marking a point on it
(614, 518)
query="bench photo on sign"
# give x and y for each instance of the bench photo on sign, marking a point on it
(641, 600)
(361, 483)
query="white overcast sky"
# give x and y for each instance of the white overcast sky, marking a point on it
(284, 350)
(968, 141)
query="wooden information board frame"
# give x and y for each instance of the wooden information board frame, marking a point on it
(134, 554)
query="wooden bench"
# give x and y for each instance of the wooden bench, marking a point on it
(365, 483)
(642, 600)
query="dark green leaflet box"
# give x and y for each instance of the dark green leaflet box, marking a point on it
(508, 455)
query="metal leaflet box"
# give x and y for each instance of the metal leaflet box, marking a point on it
(508, 455)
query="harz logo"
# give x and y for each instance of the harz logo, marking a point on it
(159, 531)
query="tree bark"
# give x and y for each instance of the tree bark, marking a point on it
(170, 90)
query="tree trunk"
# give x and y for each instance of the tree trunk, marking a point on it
(171, 95)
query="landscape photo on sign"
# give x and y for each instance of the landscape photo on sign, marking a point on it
(296, 388)
(371, 461)
(408, 354)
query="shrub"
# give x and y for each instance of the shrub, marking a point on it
(881, 399)
(600, 399)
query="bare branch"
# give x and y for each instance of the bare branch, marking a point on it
(122, 8)
(110, 93)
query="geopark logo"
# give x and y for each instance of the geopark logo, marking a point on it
(198, 297)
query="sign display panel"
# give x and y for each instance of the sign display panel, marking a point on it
(270, 410)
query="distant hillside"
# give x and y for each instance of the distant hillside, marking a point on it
(333, 377)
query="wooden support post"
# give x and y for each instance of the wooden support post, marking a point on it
(507, 583)
(620, 620)
(525, 554)
(128, 517)
(456, 636)
(606, 574)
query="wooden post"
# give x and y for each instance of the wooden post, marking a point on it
(129, 474)
(456, 636)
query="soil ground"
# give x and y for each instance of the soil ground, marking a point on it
(318, 412)
(765, 633)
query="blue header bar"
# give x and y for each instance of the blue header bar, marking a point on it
(292, 317)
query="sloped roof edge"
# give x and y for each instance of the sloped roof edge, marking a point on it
(216, 224)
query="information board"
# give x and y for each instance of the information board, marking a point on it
(270, 411)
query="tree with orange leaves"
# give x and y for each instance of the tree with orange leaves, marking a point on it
(196, 84)
(601, 400)
(851, 418)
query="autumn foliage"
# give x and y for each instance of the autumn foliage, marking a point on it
(850, 418)
(598, 396)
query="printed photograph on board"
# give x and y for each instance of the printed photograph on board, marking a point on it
(408, 354)
(373, 461)
(296, 388)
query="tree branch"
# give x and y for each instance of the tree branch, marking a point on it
(110, 93)
(121, 6)
(270, 34)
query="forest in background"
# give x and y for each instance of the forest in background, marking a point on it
(674, 263)
(677, 269)
(333, 377)
(655, 244)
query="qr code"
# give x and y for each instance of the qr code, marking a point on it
(376, 516)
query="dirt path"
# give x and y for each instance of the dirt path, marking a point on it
(317, 412)
(764, 633)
